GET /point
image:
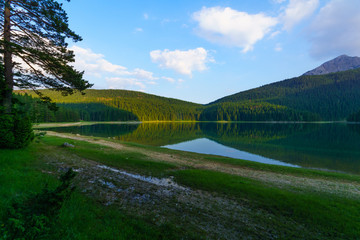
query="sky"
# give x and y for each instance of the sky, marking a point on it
(203, 50)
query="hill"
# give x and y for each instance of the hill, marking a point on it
(341, 63)
(332, 96)
(134, 105)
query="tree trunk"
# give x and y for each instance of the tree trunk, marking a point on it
(8, 64)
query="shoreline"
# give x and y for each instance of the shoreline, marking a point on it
(70, 124)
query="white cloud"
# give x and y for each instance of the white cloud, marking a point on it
(274, 34)
(183, 62)
(142, 74)
(169, 79)
(107, 74)
(125, 83)
(296, 11)
(93, 63)
(146, 16)
(233, 28)
(335, 30)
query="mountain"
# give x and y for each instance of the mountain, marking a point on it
(341, 63)
(332, 96)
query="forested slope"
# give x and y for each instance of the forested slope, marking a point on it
(306, 98)
(70, 112)
(254, 111)
(135, 105)
(332, 97)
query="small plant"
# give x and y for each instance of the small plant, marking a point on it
(34, 216)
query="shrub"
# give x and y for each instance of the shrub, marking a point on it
(23, 132)
(35, 216)
(15, 131)
(7, 138)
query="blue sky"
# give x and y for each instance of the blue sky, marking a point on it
(203, 50)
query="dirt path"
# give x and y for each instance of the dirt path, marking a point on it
(337, 187)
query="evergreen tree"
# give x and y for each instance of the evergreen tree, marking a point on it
(34, 49)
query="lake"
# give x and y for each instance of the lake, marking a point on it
(328, 146)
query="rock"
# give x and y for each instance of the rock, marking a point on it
(341, 63)
(65, 144)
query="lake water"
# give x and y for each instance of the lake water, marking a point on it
(334, 147)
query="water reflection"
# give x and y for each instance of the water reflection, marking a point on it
(325, 146)
(98, 130)
(206, 146)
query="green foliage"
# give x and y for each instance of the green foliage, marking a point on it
(40, 41)
(145, 107)
(39, 112)
(97, 112)
(23, 132)
(333, 96)
(133, 105)
(34, 216)
(254, 111)
(15, 131)
(6, 131)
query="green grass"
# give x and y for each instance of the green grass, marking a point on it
(130, 161)
(83, 218)
(20, 175)
(80, 218)
(333, 217)
(302, 172)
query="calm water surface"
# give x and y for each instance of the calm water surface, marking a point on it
(334, 147)
(206, 146)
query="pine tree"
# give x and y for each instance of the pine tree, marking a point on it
(34, 48)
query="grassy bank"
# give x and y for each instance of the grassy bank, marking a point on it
(24, 173)
(220, 197)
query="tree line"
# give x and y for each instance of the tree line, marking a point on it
(119, 105)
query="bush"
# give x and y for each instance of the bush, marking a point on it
(35, 216)
(23, 132)
(7, 138)
(15, 131)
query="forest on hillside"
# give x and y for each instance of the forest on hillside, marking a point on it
(254, 111)
(96, 108)
(135, 105)
(333, 96)
(71, 112)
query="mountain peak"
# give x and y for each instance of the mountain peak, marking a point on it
(338, 64)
